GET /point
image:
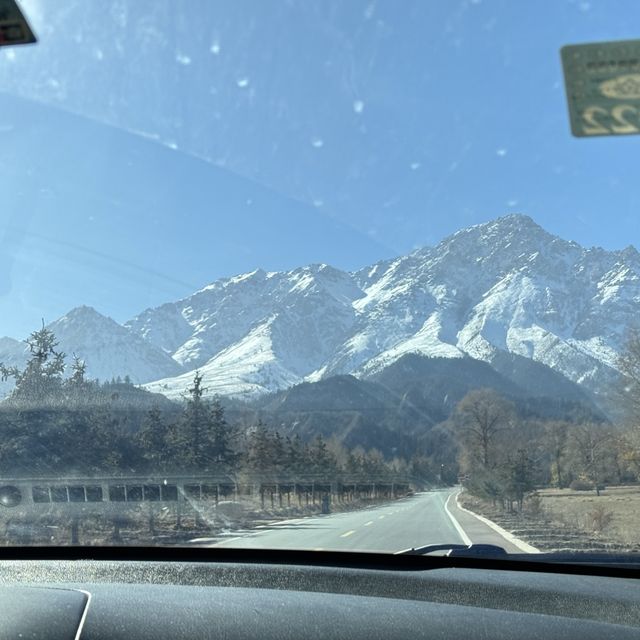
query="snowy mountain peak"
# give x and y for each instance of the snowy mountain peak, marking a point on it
(512, 235)
(83, 315)
(109, 349)
(498, 290)
(502, 287)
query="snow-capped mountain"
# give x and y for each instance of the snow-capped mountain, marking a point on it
(504, 286)
(109, 349)
(257, 332)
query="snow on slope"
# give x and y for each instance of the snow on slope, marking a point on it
(504, 286)
(109, 349)
(246, 368)
(304, 315)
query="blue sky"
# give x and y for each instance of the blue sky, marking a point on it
(151, 146)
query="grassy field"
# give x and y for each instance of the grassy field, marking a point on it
(615, 513)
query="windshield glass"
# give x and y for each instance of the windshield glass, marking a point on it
(321, 274)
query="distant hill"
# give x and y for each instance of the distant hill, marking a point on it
(398, 406)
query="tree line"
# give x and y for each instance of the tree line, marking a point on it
(504, 458)
(58, 422)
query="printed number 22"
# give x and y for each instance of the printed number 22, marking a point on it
(593, 125)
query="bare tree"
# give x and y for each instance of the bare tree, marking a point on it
(629, 365)
(629, 394)
(592, 447)
(555, 442)
(482, 415)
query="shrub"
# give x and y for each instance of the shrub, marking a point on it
(533, 506)
(579, 484)
(600, 517)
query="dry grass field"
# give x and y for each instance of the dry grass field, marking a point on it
(567, 520)
(615, 513)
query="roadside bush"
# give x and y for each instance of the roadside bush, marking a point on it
(600, 518)
(580, 484)
(533, 506)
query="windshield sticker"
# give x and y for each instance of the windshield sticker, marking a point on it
(602, 82)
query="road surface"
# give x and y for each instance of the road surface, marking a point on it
(427, 518)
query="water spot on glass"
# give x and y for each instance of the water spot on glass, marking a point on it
(358, 106)
(502, 152)
(414, 166)
(242, 82)
(317, 143)
(183, 59)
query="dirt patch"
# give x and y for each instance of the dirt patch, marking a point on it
(566, 520)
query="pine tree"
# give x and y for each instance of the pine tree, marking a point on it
(220, 439)
(152, 439)
(202, 440)
(323, 463)
(293, 459)
(40, 382)
(187, 437)
(259, 454)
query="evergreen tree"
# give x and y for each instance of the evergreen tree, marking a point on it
(323, 463)
(294, 461)
(40, 382)
(220, 439)
(259, 453)
(202, 440)
(152, 439)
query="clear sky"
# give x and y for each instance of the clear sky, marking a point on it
(148, 147)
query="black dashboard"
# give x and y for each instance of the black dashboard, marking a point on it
(326, 596)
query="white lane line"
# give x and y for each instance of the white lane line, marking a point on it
(367, 524)
(523, 546)
(380, 517)
(465, 538)
(348, 533)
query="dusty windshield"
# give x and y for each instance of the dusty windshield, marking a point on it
(321, 275)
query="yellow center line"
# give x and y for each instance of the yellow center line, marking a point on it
(348, 533)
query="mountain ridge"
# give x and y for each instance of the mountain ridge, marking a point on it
(505, 292)
(504, 286)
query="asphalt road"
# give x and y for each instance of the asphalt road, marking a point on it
(426, 518)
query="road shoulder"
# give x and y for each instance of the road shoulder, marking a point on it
(481, 530)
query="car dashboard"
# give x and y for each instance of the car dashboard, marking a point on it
(305, 595)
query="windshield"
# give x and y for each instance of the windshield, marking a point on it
(323, 275)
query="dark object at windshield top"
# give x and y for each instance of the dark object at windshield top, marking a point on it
(14, 28)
